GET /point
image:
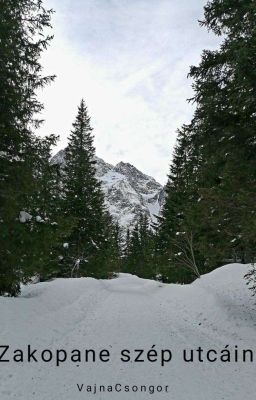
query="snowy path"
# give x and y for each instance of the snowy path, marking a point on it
(131, 313)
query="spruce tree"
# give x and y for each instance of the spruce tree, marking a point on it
(83, 202)
(111, 253)
(214, 205)
(22, 24)
(225, 95)
(48, 225)
(173, 256)
(138, 256)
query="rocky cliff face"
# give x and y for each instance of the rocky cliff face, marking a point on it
(128, 192)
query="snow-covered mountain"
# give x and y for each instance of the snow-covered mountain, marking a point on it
(128, 192)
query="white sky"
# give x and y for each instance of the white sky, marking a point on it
(129, 60)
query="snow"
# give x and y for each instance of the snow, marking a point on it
(24, 217)
(128, 192)
(131, 313)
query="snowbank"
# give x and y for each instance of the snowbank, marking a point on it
(131, 313)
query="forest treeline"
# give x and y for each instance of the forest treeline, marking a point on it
(54, 222)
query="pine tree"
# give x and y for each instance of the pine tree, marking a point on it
(214, 201)
(174, 254)
(138, 255)
(83, 202)
(111, 258)
(225, 95)
(48, 226)
(22, 24)
(133, 251)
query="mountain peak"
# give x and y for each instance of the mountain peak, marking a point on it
(128, 192)
(127, 168)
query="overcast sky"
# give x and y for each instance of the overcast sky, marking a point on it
(129, 60)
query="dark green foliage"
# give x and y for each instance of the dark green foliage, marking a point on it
(49, 225)
(112, 251)
(251, 279)
(211, 190)
(174, 241)
(138, 253)
(91, 242)
(225, 95)
(22, 41)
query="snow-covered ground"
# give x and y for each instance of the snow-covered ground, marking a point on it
(131, 313)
